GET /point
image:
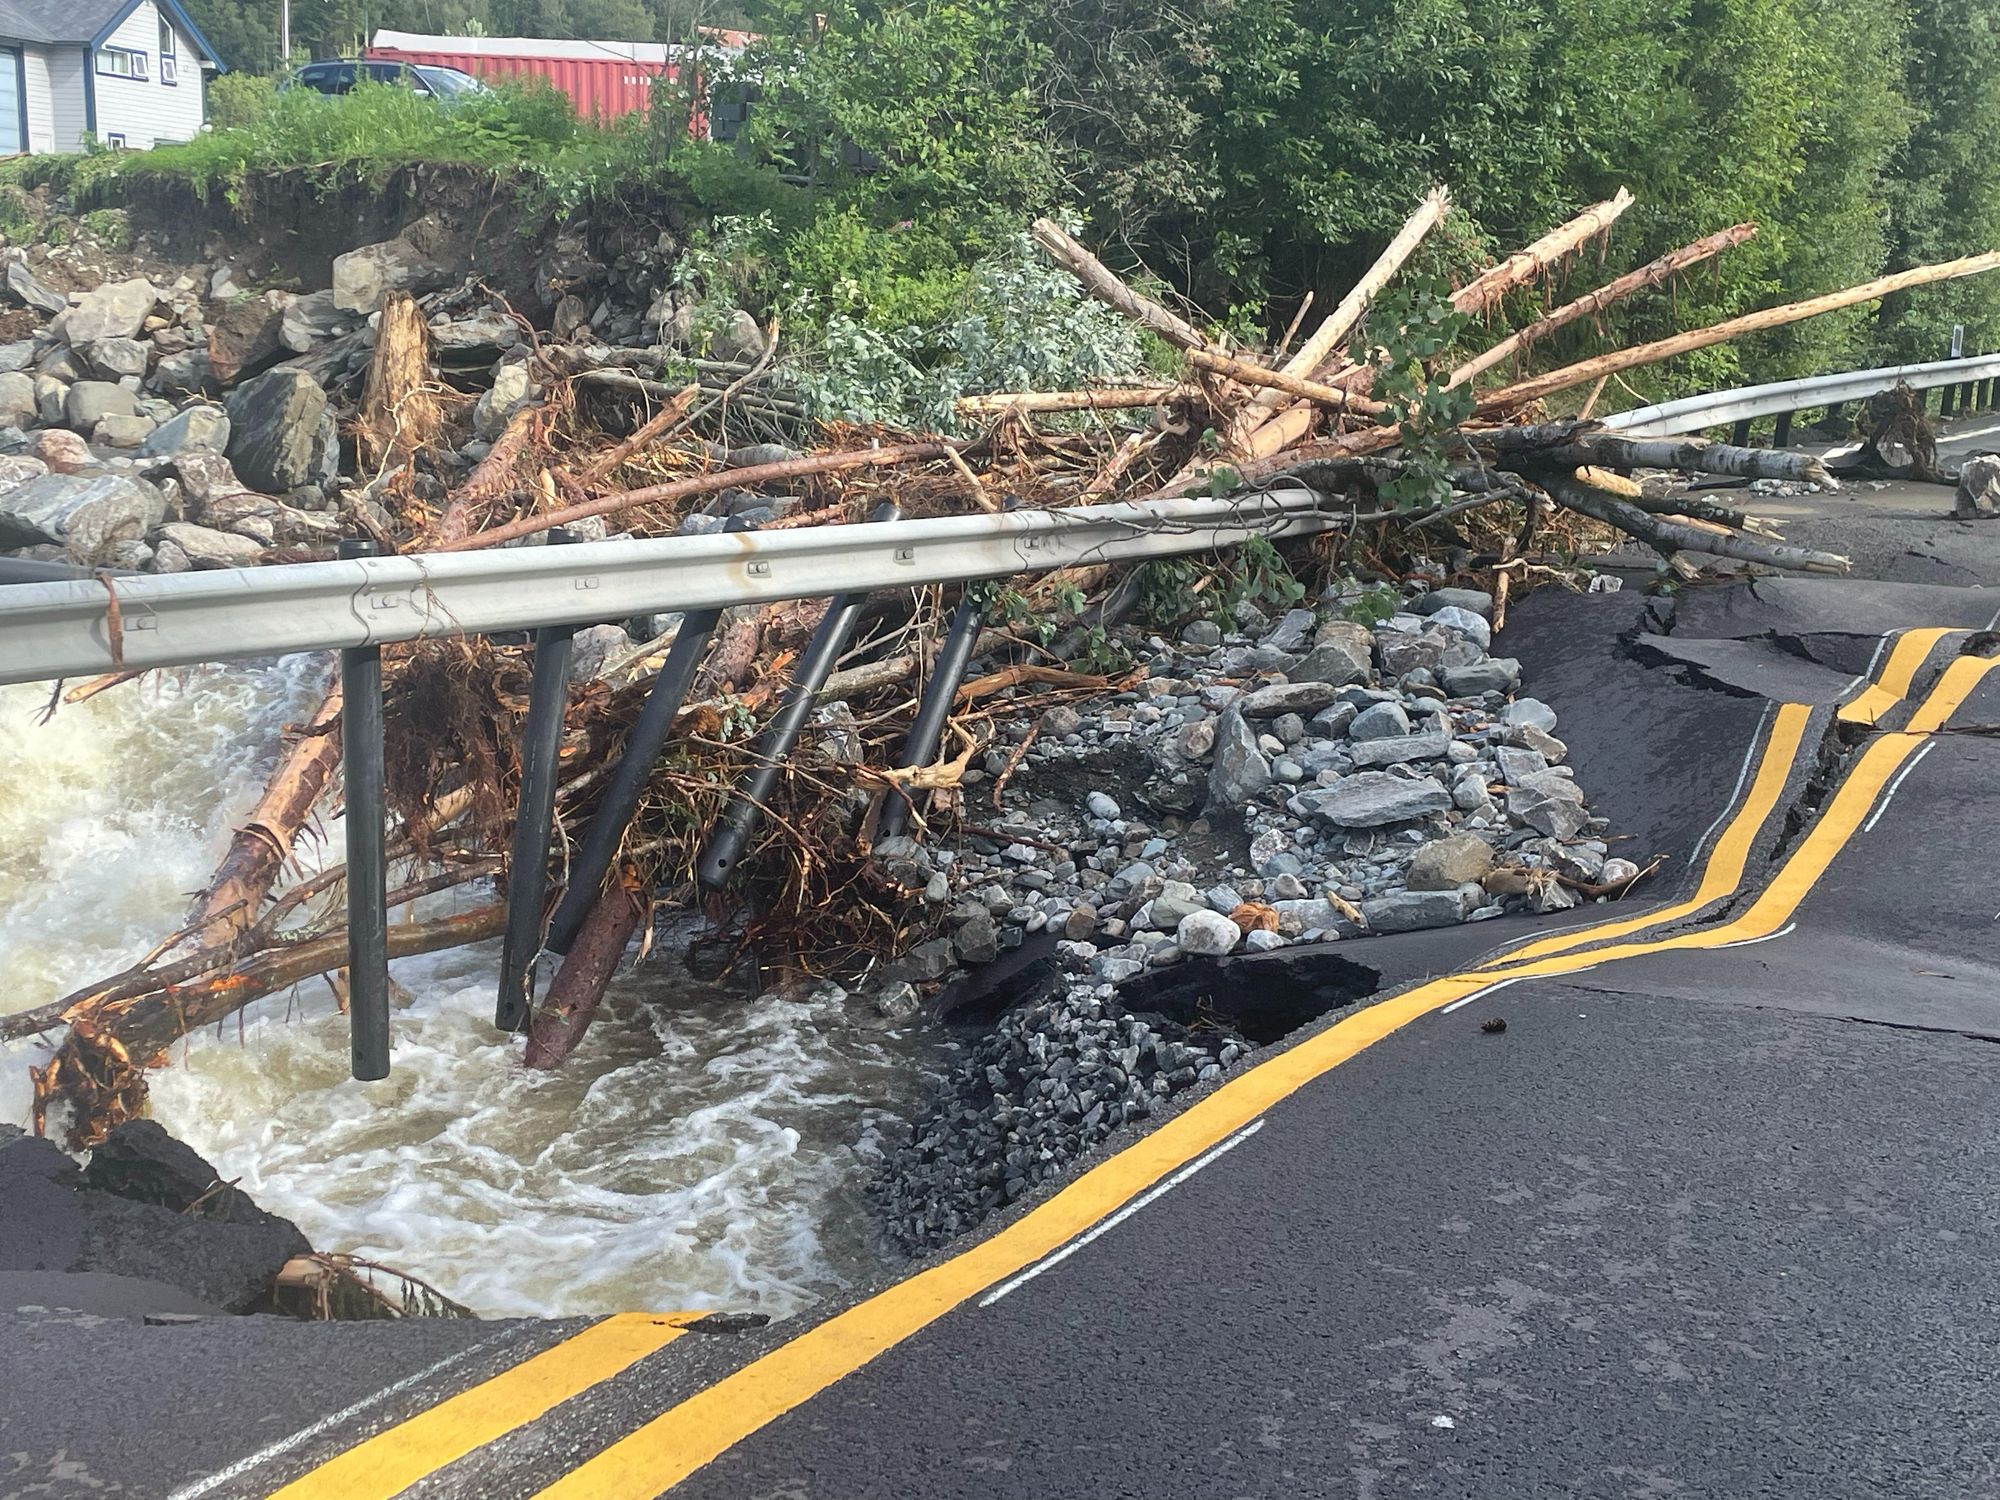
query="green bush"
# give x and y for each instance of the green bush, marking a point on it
(240, 101)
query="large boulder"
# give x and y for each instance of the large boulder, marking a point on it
(206, 547)
(117, 310)
(29, 292)
(511, 390)
(281, 433)
(1547, 801)
(18, 407)
(1240, 770)
(89, 402)
(1448, 863)
(1412, 911)
(1373, 799)
(363, 278)
(244, 338)
(113, 359)
(1433, 743)
(198, 427)
(311, 320)
(1978, 487)
(87, 514)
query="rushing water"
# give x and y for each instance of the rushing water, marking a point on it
(699, 1150)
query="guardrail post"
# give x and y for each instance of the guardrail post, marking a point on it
(1965, 396)
(367, 860)
(947, 671)
(635, 767)
(1781, 436)
(1740, 437)
(746, 808)
(528, 857)
(1947, 400)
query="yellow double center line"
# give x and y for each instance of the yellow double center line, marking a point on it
(687, 1436)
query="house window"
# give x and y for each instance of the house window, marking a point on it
(120, 62)
(169, 53)
(115, 142)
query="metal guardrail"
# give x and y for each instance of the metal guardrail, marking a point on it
(50, 630)
(1727, 408)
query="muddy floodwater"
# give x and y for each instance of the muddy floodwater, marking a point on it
(701, 1149)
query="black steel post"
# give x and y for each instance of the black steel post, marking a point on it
(1965, 396)
(1740, 438)
(528, 857)
(628, 781)
(367, 858)
(947, 671)
(746, 808)
(1947, 400)
(1781, 437)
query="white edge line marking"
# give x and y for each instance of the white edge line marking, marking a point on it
(1160, 1190)
(305, 1434)
(1889, 794)
(1769, 937)
(1867, 672)
(1489, 989)
(1750, 755)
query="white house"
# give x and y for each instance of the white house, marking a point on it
(128, 72)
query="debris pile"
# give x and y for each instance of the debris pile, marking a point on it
(1371, 748)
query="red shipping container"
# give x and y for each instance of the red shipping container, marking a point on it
(603, 79)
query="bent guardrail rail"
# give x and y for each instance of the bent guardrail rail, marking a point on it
(1746, 404)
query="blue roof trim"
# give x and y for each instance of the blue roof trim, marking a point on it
(89, 93)
(180, 19)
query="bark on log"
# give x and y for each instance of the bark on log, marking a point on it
(400, 411)
(1000, 402)
(1246, 373)
(702, 484)
(1575, 446)
(1522, 392)
(1484, 292)
(1101, 283)
(561, 1020)
(1576, 493)
(257, 854)
(662, 422)
(1652, 274)
(492, 477)
(99, 1069)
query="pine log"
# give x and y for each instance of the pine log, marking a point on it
(665, 420)
(748, 477)
(400, 410)
(257, 854)
(1101, 283)
(1576, 444)
(1574, 492)
(1521, 393)
(492, 477)
(1652, 274)
(1111, 399)
(1243, 371)
(562, 1018)
(1483, 294)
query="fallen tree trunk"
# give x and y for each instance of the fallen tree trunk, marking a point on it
(565, 1015)
(1115, 399)
(665, 420)
(492, 477)
(1575, 445)
(1574, 492)
(702, 484)
(400, 410)
(99, 1071)
(1101, 283)
(1246, 373)
(1512, 397)
(1483, 294)
(1652, 274)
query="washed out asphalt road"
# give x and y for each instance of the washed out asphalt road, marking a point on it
(1700, 1220)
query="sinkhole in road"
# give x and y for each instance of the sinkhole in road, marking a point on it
(1263, 999)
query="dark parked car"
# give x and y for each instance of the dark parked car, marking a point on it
(339, 76)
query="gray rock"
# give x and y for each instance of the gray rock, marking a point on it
(61, 362)
(1517, 764)
(1544, 744)
(1466, 623)
(1291, 632)
(281, 433)
(489, 334)
(204, 428)
(30, 292)
(1978, 492)
(976, 940)
(184, 374)
(114, 359)
(117, 310)
(1129, 881)
(207, 548)
(18, 355)
(1374, 799)
(1618, 872)
(1102, 806)
(1207, 933)
(1176, 899)
(738, 340)
(1448, 863)
(122, 432)
(899, 1002)
(1403, 651)
(1260, 941)
(1549, 802)
(1498, 674)
(1396, 750)
(1412, 911)
(1342, 660)
(89, 402)
(87, 515)
(363, 278)
(312, 320)
(1201, 633)
(18, 407)
(1288, 698)
(1080, 926)
(1239, 770)
(511, 390)
(1477, 601)
(1379, 721)
(17, 469)
(1530, 711)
